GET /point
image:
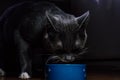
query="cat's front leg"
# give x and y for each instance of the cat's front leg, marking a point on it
(25, 66)
(24, 56)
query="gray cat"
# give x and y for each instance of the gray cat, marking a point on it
(43, 28)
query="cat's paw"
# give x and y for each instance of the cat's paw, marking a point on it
(2, 73)
(24, 75)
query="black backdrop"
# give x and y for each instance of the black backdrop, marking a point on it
(103, 28)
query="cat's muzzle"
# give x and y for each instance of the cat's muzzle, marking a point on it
(68, 58)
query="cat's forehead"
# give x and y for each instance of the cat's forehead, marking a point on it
(65, 18)
(66, 23)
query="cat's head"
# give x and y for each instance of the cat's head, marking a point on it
(67, 34)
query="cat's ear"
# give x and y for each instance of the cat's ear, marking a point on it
(52, 19)
(83, 19)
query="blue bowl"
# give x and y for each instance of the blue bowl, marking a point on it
(66, 72)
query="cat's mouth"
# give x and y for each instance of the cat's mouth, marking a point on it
(61, 58)
(65, 57)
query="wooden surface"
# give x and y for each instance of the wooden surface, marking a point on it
(102, 76)
(90, 76)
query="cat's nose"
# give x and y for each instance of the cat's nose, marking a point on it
(69, 57)
(59, 44)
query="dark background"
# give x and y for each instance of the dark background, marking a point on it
(103, 28)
